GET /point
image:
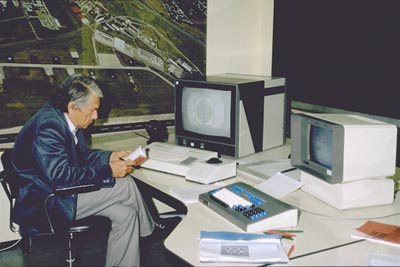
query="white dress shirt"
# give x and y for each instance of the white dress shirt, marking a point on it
(72, 128)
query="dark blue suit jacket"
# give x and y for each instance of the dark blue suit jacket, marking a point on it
(45, 157)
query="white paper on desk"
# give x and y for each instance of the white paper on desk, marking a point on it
(229, 247)
(279, 185)
(270, 168)
(191, 193)
(263, 170)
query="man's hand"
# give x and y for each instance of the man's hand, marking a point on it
(121, 168)
(117, 155)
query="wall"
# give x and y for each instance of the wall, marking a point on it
(239, 40)
(239, 36)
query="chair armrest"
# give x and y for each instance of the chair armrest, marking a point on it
(7, 190)
(78, 189)
(65, 191)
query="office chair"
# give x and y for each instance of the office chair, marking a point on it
(9, 181)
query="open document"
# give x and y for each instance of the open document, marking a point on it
(230, 247)
(139, 155)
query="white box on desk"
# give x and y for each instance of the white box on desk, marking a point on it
(275, 214)
(357, 194)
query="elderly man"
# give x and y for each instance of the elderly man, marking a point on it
(50, 152)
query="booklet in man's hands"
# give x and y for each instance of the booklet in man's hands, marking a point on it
(139, 155)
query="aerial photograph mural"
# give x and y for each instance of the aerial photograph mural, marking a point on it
(134, 49)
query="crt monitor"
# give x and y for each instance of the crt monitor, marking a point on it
(208, 111)
(233, 115)
(340, 148)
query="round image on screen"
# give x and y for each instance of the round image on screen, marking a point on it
(206, 111)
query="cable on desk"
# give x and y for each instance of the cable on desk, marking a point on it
(288, 170)
(351, 218)
(326, 249)
(395, 192)
(142, 135)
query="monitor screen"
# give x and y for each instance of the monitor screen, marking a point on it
(206, 114)
(340, 148)
(206, 111)
(231, 114)
(320, 146)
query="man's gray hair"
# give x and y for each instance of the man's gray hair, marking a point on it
(77, 89)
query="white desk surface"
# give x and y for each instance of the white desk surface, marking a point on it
(362, 253)
(325, 239)
(323, 227)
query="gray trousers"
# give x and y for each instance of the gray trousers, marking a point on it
(130, 219)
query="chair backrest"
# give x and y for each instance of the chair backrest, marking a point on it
(9, 178)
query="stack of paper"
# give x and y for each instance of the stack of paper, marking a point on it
(229, 247)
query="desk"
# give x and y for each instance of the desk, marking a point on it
(326, 237)
(360, 253)
(325, 228)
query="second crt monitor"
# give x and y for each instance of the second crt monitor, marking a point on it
(341, 148)
(234, 115)
(344, 159)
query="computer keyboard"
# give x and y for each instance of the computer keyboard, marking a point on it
(230, 199)
(173, 155)
(174, 159)
(188, 161)
(249, 208)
